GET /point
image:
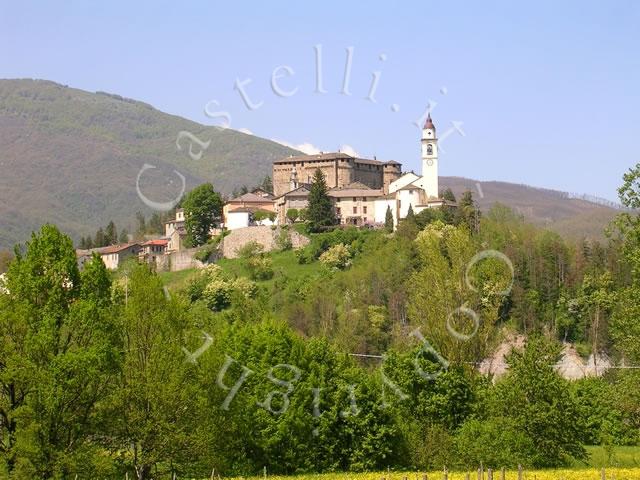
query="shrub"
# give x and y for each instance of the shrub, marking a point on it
(293, 214)
(217, 294)
(283, 240)
(260, 267)
(337, 257)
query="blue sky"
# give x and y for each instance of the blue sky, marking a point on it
(546, 92)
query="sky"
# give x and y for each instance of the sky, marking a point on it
(542, 93)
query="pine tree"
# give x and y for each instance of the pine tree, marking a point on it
(320, 210)
(124, 236)
(142, 225)
(388, 220)
(267, 184)
(100, 238)
(110, 234)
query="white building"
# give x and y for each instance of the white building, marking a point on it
(412, 190)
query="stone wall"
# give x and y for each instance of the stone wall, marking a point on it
(176, 261)
(265, 236)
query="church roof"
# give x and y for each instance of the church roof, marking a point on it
(429, 123)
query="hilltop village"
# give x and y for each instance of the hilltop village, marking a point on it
(362, 192)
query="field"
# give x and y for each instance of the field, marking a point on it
(575, 474)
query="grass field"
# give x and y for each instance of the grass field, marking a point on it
(565, 474)
(284, 264)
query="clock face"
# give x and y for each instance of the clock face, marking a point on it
(430, 162)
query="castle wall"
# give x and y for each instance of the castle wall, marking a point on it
(338, 172)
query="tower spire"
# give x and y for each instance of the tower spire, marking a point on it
(429, 122)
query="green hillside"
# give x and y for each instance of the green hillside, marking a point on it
(72, 158)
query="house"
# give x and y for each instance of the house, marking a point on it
(176, 240)
(355, 203)
(239, 212)
(151, 249)
(297, 198)
(114, 255)
(175, 224)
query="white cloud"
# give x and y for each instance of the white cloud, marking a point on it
(305, 147)
(349, 150)
(245, 130)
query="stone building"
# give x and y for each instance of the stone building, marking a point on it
(339, 170)
(362, 191)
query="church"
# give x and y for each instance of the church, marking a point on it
(361, 189)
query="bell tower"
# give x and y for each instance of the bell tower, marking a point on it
(430, 158)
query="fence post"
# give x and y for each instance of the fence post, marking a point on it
(264, 472)
(519, 472)
(489, 474)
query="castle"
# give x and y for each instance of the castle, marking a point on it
(362, 190)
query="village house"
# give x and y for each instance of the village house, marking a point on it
(240, 211)
(152, 249)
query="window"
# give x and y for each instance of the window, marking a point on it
(355, 199)
(429, 149)
(355, 210)
(338, 210)
(364, 210)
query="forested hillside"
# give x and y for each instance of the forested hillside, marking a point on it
(72, 158)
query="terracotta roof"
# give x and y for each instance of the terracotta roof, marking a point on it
(333, 156)
(116, 248)
(243, 210)
(314, 158)
(250, 198)
(158, 241)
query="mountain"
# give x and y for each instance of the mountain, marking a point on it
(567, 214)
(72, 158)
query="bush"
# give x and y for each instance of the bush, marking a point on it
(337, 257)
(283, 240)
(217, 294)
(257, 264)
(293, 214)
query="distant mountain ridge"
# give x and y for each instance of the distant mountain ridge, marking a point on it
(72, 157)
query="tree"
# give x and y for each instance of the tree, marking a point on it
(319, 210)
(538, 403)
(100, 240)
(155, 225)
(267, 184)
(292, 215)
(202, 209)
(110, 234)
(388, 220)
(124, 236)
(468, 212)
(59, 359)
(141, 225)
